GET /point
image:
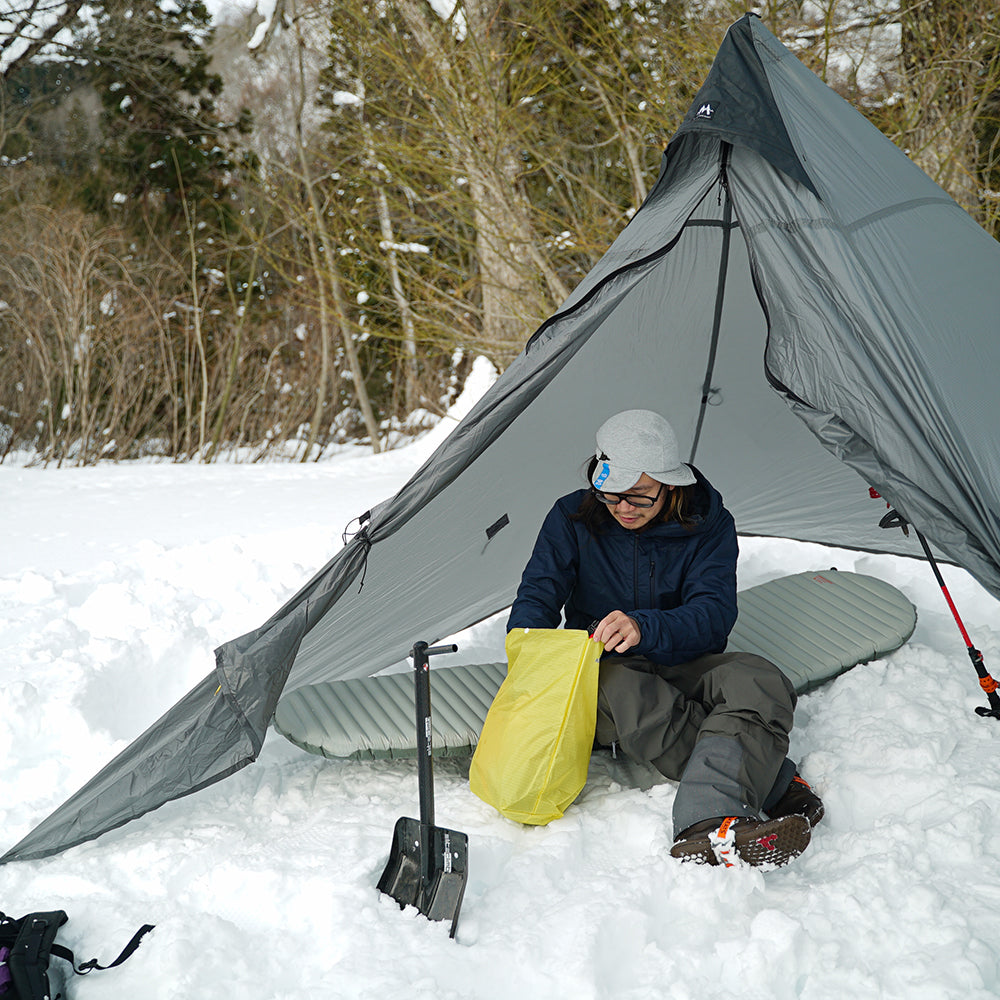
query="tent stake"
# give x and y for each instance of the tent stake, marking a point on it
(896, 520)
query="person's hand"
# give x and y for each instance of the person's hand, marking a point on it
(618, 632)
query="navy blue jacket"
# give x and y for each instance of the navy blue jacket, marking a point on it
(679, 584)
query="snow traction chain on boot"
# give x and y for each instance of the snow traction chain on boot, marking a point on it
(764, 844)
(723, 842)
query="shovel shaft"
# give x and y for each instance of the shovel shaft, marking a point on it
(425, 767)
(428, 865)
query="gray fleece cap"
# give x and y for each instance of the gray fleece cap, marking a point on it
(633, 442)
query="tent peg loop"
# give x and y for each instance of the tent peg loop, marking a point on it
(364, 522)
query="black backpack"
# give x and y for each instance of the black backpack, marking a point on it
(27, 944)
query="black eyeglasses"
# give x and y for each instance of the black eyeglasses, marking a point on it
(632, 499)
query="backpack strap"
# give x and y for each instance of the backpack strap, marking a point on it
(28, 962)
(85, 967)
(9, 927)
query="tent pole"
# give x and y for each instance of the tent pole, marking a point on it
(720, 294)
(896, 520)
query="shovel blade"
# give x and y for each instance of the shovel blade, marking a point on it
(434, 884)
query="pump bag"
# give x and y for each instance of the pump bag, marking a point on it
(534, 749)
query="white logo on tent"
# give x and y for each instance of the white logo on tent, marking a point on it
(705, 111)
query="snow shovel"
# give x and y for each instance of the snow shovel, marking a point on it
(428, 865)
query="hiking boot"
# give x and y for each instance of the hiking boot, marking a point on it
(730, 841)
(799, 799)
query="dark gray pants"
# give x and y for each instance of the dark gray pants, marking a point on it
(719, 725)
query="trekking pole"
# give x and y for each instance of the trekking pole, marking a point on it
(986, 682)
(896, 520)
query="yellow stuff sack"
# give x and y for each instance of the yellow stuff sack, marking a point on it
(532, 756)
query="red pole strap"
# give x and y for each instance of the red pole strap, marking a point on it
(954, 611)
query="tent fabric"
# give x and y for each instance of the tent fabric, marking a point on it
(812, 313)
(813, 625)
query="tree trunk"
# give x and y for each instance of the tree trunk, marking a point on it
(326, 271)
(199, 337)
(410, 394)
(473, 114)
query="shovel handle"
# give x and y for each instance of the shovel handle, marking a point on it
(435, 650)
(422, 690)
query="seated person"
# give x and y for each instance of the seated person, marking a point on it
(646, 561)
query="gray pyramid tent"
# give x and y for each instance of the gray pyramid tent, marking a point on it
(813, 314)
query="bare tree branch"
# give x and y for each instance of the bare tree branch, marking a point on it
(46, 20)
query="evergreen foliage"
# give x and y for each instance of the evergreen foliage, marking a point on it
(161, 137)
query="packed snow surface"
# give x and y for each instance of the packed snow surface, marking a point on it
(116, 584)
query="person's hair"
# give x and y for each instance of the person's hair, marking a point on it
(595, 515)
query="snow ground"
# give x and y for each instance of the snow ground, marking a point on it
(117, 582)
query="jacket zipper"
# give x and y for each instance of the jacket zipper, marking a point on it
(635, 577)
(637, 603)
